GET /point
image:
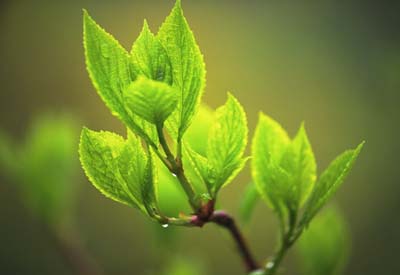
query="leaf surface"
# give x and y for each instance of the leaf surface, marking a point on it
(328, 183)
(188, 68)
(151, 100)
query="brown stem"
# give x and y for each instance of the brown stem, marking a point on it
(225, 220)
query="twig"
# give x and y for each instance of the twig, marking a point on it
(225, 220)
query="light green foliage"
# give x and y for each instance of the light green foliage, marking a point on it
(324, 246)
(196, 136)
(269, 143)
(299, 162)
(111, 71)
(98, 154)
(227, 141)
(119, 168)
(44, 166)
(283, 170)
(329, 182)
(150, 57)
(248, 202)
(151, 100)
(187, 65)
(159, 84)
(162, 77)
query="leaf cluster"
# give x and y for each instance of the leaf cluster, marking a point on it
(155, 89)
(177, 145)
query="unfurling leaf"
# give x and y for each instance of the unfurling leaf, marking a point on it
(269, 144)
(151, 100)
(111, 71)
(150, 58)
(324, 247)
(187, 66)
(299, 163)
(227, 141)
(329, 182)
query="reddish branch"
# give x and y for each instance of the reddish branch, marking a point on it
(207, 214)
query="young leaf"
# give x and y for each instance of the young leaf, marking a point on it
(151, 100)
(111, 71)
(248, 203)
(226, 144)
(329, 182)
(324, 247)
(299, 163)
(188, 68)
(132, 166)
(149, 190)
(196, 135)
(150, 58)
(98, 154)
(269, 144)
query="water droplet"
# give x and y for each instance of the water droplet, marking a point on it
(105, 50)
(270, 265)
(165, 225)
(174, 175)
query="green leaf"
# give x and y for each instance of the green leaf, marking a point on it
(284, 170)
(45, 167)
(196, 136)
(188, 68)
(199, 165)
(150, 58)
(324, 247)
(269, 144)
(132, 166)
(111, 71)
(249, 201)
(329, 182)
(149, 186)
(226, 144)
(151, 100)
(99, 152)
(299, 163)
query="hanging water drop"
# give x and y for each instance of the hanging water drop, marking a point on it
(165, 225)
(173, 175)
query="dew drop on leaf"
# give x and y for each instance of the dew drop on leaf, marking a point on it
(165, 225)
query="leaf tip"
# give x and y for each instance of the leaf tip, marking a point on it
(358, 149)
(146, 27)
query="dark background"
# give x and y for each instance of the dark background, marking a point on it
(334, 65)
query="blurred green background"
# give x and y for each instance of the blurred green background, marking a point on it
(334, 65)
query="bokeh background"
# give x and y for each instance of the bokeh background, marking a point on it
(334, 65)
